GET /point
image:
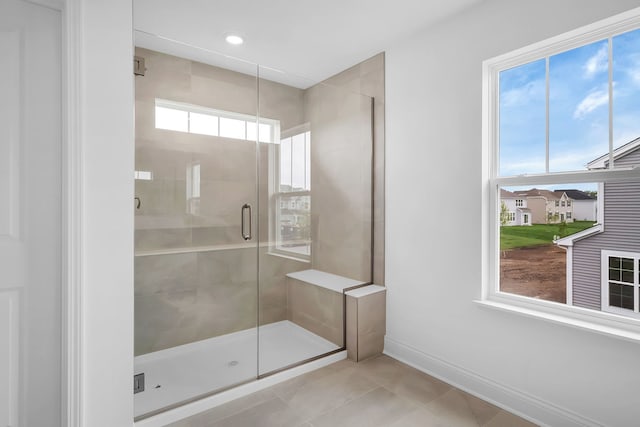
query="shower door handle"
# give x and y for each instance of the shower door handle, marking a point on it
(245, 208)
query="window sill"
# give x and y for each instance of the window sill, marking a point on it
(598, 322)
(291, 257)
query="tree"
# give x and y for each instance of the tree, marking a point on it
(504, 214)
(562, 229)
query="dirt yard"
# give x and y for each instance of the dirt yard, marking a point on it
(537, 272)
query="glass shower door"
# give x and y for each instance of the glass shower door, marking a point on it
(196, 226)
(315, 189)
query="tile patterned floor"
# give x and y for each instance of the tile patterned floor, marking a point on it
(377, 392)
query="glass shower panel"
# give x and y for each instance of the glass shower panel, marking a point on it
(315, 189)
(195, 217)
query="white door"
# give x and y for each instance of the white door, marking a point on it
(30, 214)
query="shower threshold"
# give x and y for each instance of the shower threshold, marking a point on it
(182, 373)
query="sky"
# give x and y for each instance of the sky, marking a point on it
(578, 107)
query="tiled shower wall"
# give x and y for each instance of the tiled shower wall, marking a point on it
(194, 279)
(367, 78)
(182, 298)
(341, 150)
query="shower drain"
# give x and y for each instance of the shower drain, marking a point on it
(233, 363)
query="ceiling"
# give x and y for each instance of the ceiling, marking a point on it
(314, 39)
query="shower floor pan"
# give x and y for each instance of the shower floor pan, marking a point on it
(185, 372)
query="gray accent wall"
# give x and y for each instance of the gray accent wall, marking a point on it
(621, 233)
(631, 159)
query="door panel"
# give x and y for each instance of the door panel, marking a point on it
(9, 134)
(30, 214)
(195, 236)
(9, 334)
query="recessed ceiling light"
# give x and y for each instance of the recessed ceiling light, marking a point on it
(234, 39)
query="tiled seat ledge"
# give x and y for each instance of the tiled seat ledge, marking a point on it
(333, 282)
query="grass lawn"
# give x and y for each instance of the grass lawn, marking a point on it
(519, 236)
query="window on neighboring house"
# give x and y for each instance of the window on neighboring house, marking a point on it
(563, 204)
(519, 202)
(550, 109)
(568, 202)
(512, 216)
(620, 283)
(291, 191)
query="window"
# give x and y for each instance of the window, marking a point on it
(143, 175)
(291, 191)
(620, 283)
(180, 117)
(193, 188)
(519, 202)
(554, 119)
(511, 217)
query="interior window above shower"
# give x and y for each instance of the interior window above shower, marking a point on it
(189, 118)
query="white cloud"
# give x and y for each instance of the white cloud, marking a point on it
(508, 167)
(597, 63)
(626, 129)
(524, 94)
(576, 157)
(595, 99)
(634, 74)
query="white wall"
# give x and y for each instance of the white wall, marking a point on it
(107, 199)
(585, 210)
(549, 372)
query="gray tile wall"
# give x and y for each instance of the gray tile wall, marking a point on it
(368, 79)
(185, 297)
(341, 196)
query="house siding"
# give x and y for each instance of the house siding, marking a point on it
(511, 207)
(538, 208)
(621, 233)
(584, 210)
(633, 158)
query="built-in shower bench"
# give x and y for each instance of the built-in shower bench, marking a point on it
(329, 281)
(315, 301)
(319, 301)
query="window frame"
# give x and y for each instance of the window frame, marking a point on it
(605, 281)
(603, 322)
(274, 125)
(276, 196)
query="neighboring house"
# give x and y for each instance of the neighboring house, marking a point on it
(585, 206)
(517, 211)
(603, 261)
(547, 207)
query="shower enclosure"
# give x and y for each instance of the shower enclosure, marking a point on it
(253, 213)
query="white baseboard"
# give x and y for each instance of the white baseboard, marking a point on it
(221, 398)
(517, 402)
